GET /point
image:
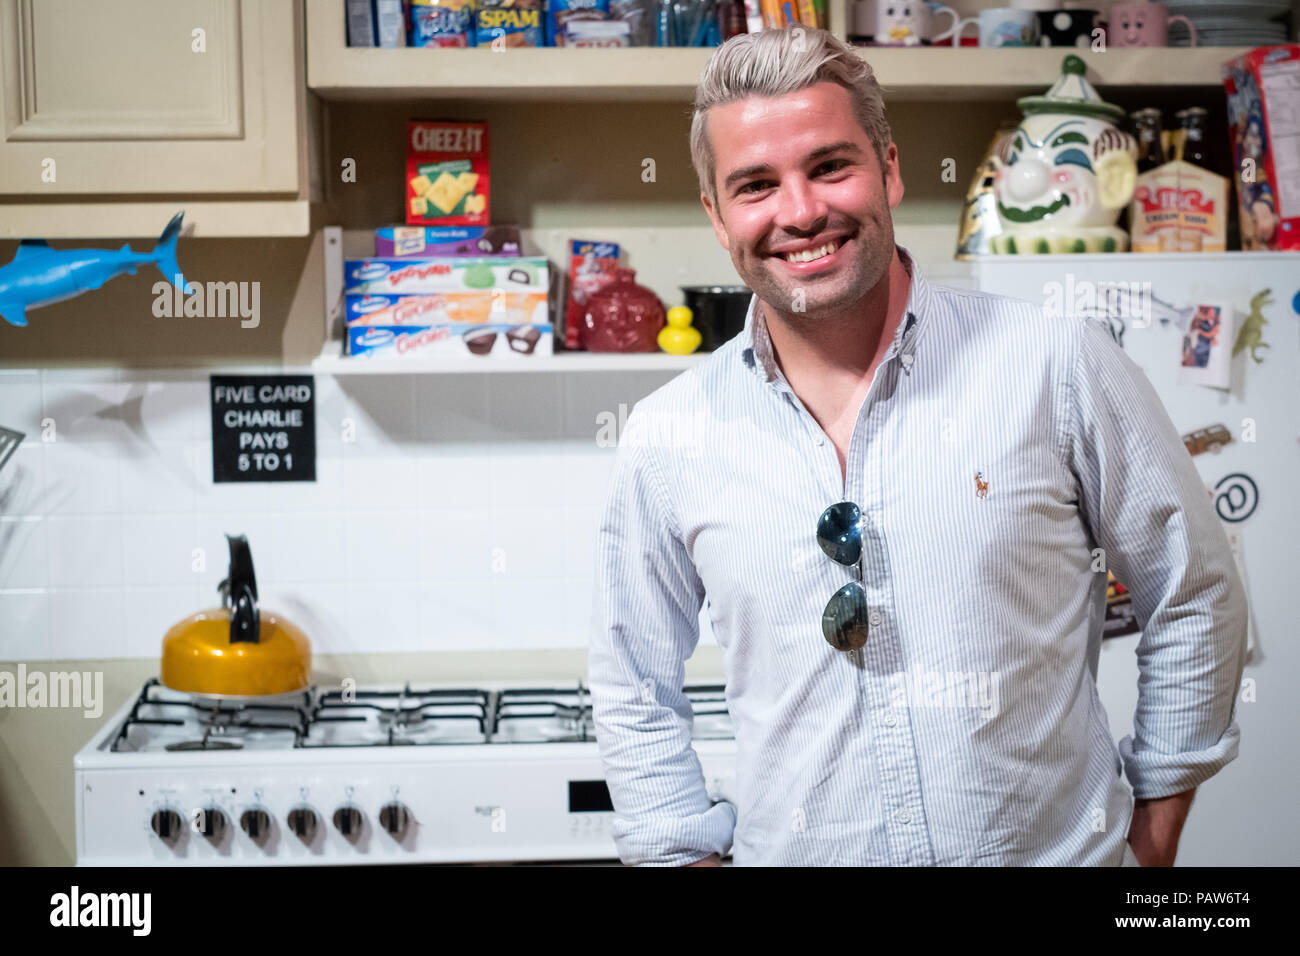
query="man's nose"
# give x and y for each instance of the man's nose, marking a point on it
(800, 209)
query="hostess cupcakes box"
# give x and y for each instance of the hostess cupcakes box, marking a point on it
(477, 341)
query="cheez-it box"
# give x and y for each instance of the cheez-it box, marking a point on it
(447, 179)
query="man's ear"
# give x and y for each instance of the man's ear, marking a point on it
(718, 229)
(893, 177)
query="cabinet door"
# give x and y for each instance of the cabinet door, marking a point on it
(149, 96)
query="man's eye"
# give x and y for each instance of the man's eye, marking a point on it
(837, 163)
(758, 182)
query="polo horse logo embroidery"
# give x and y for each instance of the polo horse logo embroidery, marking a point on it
(981, 486)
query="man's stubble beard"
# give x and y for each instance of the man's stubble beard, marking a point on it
(875, 251)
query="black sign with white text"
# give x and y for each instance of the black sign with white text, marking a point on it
(263, 427)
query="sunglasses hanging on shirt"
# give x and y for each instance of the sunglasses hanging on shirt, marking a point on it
(839, 533)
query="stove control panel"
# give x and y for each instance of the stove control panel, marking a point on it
(438, 804)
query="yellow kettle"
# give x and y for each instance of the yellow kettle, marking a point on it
(236, 650)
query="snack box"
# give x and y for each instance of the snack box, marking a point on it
(392, 242)
(490, 341)
(1263, 87)
(447, 182)
(404, 276)
(591, 268)
(457, 307)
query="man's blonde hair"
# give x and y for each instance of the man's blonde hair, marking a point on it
(777, 62)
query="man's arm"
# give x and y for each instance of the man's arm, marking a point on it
(645, 627)
(1146, 506)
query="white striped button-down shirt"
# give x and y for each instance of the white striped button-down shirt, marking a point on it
(968, 730)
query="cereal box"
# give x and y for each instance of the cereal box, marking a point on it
(447, 174)
(1263, 89)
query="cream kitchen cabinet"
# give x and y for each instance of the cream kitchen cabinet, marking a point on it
(196, 98)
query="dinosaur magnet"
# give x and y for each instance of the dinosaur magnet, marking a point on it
(1251, 335)
(38, 275)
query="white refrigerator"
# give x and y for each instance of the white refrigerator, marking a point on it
(1179, 317)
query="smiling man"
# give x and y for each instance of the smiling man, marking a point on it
(894, 497)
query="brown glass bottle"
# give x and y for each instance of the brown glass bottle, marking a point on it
(1151, 152)
(1192, 122)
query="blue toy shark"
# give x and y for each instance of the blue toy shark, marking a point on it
(39, 275)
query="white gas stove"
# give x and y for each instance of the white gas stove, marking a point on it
(428, 774)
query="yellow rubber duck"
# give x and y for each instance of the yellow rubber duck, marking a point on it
(677, 337)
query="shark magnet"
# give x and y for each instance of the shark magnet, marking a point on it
(39, 275)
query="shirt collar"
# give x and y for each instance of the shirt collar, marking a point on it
(756, 345)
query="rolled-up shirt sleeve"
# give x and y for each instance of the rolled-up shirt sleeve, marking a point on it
(645, 627)
(1146, 506)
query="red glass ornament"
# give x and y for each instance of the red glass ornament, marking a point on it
(623, 317)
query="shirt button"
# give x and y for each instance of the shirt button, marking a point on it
(891, 719)
(906, 359)
(874, 619)
(902, 816)
(820, 440)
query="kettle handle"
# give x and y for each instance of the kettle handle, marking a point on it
(239, 593)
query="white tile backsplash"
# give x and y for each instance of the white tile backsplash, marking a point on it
(82, 477)
(24, 625)
(451, 512)
(85, 551)
(24, 553)
(88, 624)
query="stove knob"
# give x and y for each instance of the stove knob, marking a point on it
(211, 822)
(348, 821)
(302, 821)
(396, 819)
(257, 824)
(167, 824)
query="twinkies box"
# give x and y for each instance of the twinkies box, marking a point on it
(490, 341)
(441, 241)
(423, 276)
(467, 308)
(1263, 88)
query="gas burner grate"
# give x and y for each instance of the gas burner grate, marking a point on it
(411, 716)
(216, 723)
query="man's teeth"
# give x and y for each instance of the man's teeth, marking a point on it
(811, 254)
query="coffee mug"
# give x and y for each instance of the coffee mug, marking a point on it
(1004, 26)
(1143, 24)
(1066, 27)
(908, 22)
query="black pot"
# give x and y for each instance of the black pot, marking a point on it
(718, 311)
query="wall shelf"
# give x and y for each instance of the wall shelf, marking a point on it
(332, 361)
(338, 72)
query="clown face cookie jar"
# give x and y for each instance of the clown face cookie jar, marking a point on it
(1065, 173)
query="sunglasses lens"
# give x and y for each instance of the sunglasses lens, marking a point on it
(844, 622)
(839, 532)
